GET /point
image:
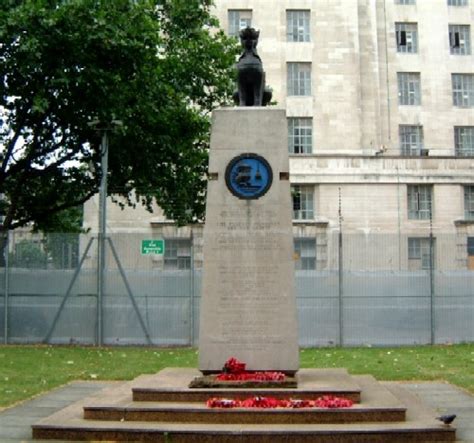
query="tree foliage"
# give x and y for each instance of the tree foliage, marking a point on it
(159, 66)
(29, 254)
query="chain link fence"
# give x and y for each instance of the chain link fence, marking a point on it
(352, 289)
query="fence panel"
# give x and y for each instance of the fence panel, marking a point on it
(163, 301)
(35, 298)
(318, 307)
(379, 296)
(454, 306)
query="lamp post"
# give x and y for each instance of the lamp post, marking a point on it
(340, 276)
(102, 234)
(432, 282)
(104, 161)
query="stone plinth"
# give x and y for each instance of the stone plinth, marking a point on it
(248, 306)
(169, 411)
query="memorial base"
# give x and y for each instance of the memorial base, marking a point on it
(161, 408)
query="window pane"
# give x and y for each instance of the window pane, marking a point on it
(303, 206)
(299, 78)
(464, 140)
(411, 139)
(457, 2)
(414, 248)
(470, 246)
(463, 90)
(409, 90)
(298, 26)
(300, 135)
(460, 39)
(419, 252)
(407, 37)
(177, 254)
(419, 198)
(469, 202)
(238, 19)
(305, 253)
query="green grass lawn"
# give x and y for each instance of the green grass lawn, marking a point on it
(26, 371)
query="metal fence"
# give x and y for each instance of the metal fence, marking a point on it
(364, 290)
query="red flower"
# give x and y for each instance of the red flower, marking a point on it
(260, 402)
(221, 403)
(327, 401)
(296, 403)
(251, 376)
(234, 370)
(233, 366)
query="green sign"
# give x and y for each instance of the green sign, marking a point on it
(153, 247)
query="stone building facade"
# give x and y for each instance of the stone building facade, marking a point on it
(379, 96)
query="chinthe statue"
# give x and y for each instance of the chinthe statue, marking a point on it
(251, 90)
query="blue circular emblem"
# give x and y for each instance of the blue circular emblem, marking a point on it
(248, 176)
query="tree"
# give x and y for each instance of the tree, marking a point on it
(159, 66)
(61, 237)
(29, 254)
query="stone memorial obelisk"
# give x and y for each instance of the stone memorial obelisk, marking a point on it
(248, 305)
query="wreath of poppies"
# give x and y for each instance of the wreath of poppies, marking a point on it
(234, 370)
(327, 402)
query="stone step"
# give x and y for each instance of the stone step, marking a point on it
(77, 429)
(420, 425)
(177, 413)
(171, 385)
(379, 405)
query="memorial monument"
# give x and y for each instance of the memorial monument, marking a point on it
(248, 306)
(248, 313)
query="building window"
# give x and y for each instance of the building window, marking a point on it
(238, 19)
(470, 253)
(405, 2)
(305, 254)
(411, 139)
(469, 202)
(299, 78)
(300, 135)
(407, 37)
(460, 39)
(463, 90)
(409, 90)
(464, 140)
(457, 2)
(298, 26)
(419, 252)
(177, 254)
(303, 205)
(419, 201)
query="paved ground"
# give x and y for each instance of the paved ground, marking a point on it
(449, 399)
(15, 422)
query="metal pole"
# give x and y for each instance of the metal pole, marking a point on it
(341, 280)
(102, 236)
(432, 288)
(6, 289)
(191, 311)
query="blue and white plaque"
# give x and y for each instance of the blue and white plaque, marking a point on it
(248, 176)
